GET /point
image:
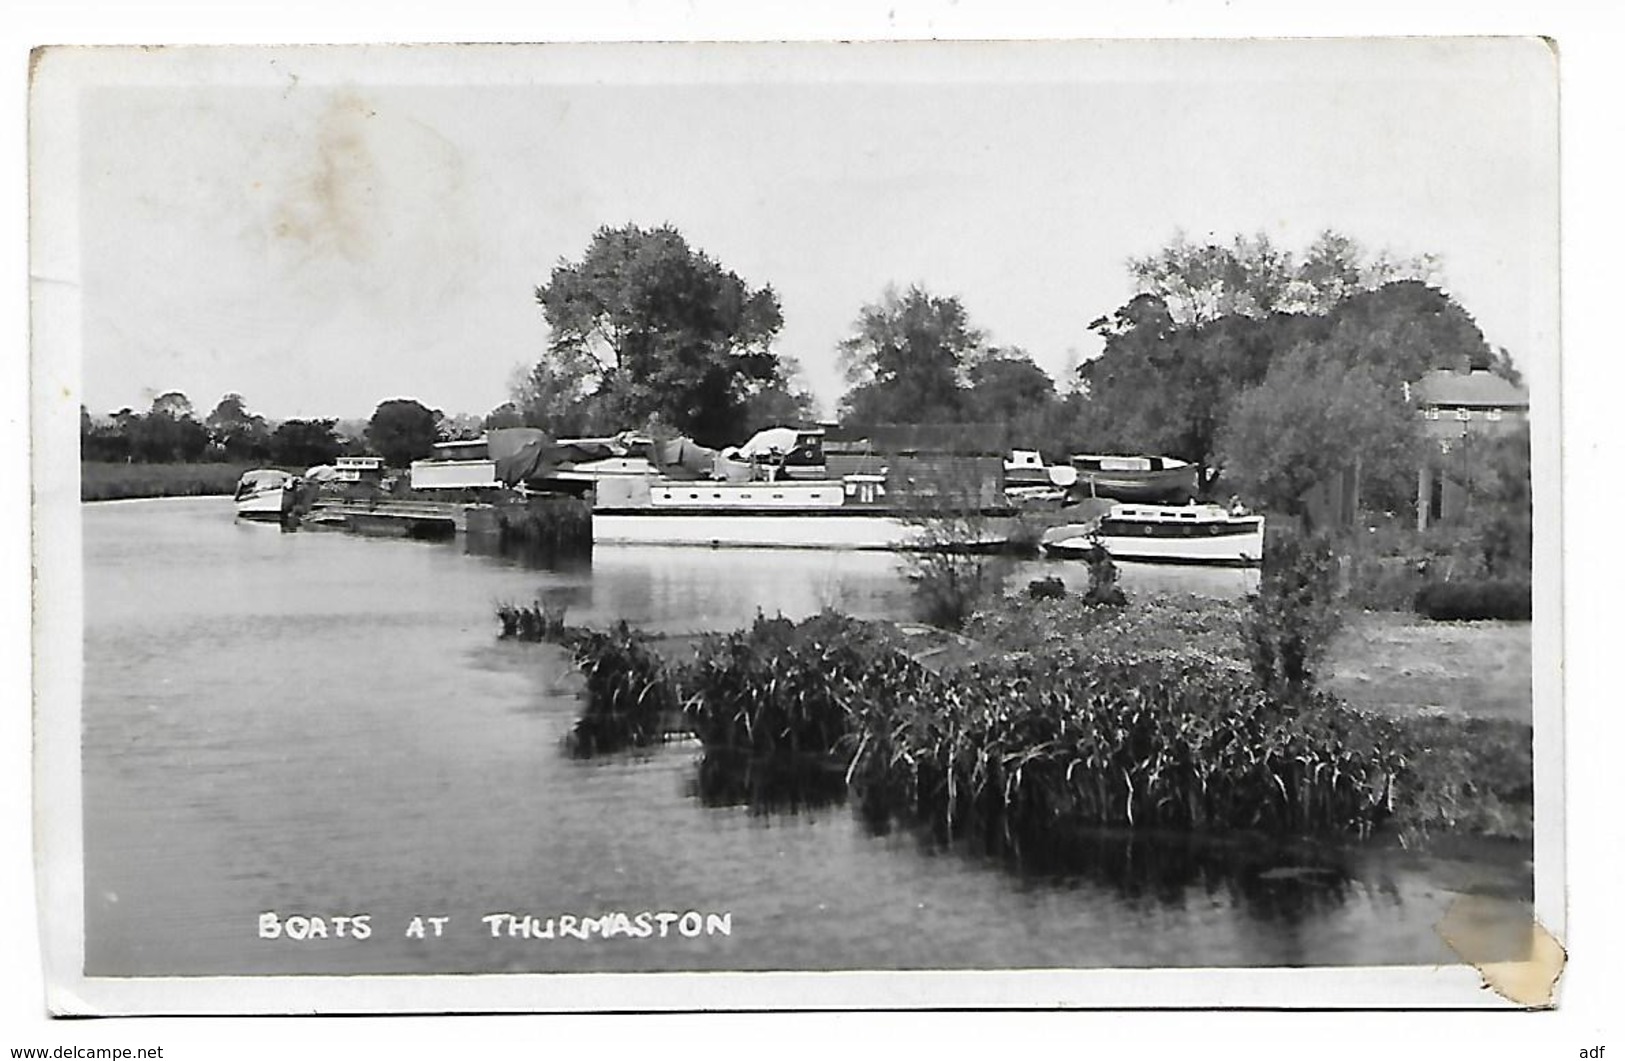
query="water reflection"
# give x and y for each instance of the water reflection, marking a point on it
(781, 786)
(1289, 884)
(530, 554)
(414, 759)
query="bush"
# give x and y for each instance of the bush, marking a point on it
(1050, 588)
(950, 584)
(1291, 619)
(1478, 599)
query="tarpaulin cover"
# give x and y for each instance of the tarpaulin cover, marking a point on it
(264, 477)
(506, 441)
(774, 441)
(683, 457)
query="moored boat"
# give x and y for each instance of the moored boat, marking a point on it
(1176, 534)
(1029, 481)
(265, 494)
(1152, 480)
(852, 512)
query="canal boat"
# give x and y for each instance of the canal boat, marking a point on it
(265, 494)
(1175, 534)
(852, 512)
(1151, 480)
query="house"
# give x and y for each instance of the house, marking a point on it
(1457, 408)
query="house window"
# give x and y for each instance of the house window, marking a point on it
(1432, 412)
(1464, 414)
(1492, 414)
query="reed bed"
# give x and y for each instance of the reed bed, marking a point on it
(632, 695)
(633, 692)
(1167, 739)
(1019, 747)
(117, 480)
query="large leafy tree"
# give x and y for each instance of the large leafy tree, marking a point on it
(1212, 320)
(907, 358)
(403, 430)
(1251, 277)
(645, 327)
(1314, 414)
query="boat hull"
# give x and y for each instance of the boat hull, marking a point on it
(1232, 540)
(267, 507)
(822, 530)
(1169, 485)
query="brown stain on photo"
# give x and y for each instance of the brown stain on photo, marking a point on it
(1517, 958)
(330, 209)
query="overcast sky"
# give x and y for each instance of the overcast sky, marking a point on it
(322, 230)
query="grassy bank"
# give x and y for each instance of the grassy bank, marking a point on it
(1402, 664)
(111, 481)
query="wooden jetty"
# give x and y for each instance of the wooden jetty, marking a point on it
(409, 518)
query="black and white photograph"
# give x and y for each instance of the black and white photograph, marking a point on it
(855, 525)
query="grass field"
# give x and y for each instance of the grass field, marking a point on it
(111, 481)
(1403, 664)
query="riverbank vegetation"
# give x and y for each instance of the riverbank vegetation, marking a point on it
(1058, 713)
(110, 481)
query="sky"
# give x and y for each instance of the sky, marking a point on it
(323, 230)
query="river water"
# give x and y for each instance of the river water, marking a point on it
(323, 725)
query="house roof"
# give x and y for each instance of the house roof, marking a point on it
(1478, 388)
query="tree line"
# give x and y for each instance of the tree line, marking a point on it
(1269, 368)
(400, 430)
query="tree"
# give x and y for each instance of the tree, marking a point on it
(505, 415)
(563, 393)
(172, 404)
(304, 443)
(1252, 278)
(906, 360)
(781, 404)
(645, 327)
(1203, 282)
(403, 430)
(168, 432)
(1007, 386)
(459, 426)
(238, 434)
(1312, 416)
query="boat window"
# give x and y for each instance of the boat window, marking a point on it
(813, 496)
(693, 497)
(778, 496)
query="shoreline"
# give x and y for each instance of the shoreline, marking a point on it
(1420, 778)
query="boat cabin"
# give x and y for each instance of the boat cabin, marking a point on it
(358, 469)
(462, 464)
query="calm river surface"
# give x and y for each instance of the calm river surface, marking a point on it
(327, 725)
